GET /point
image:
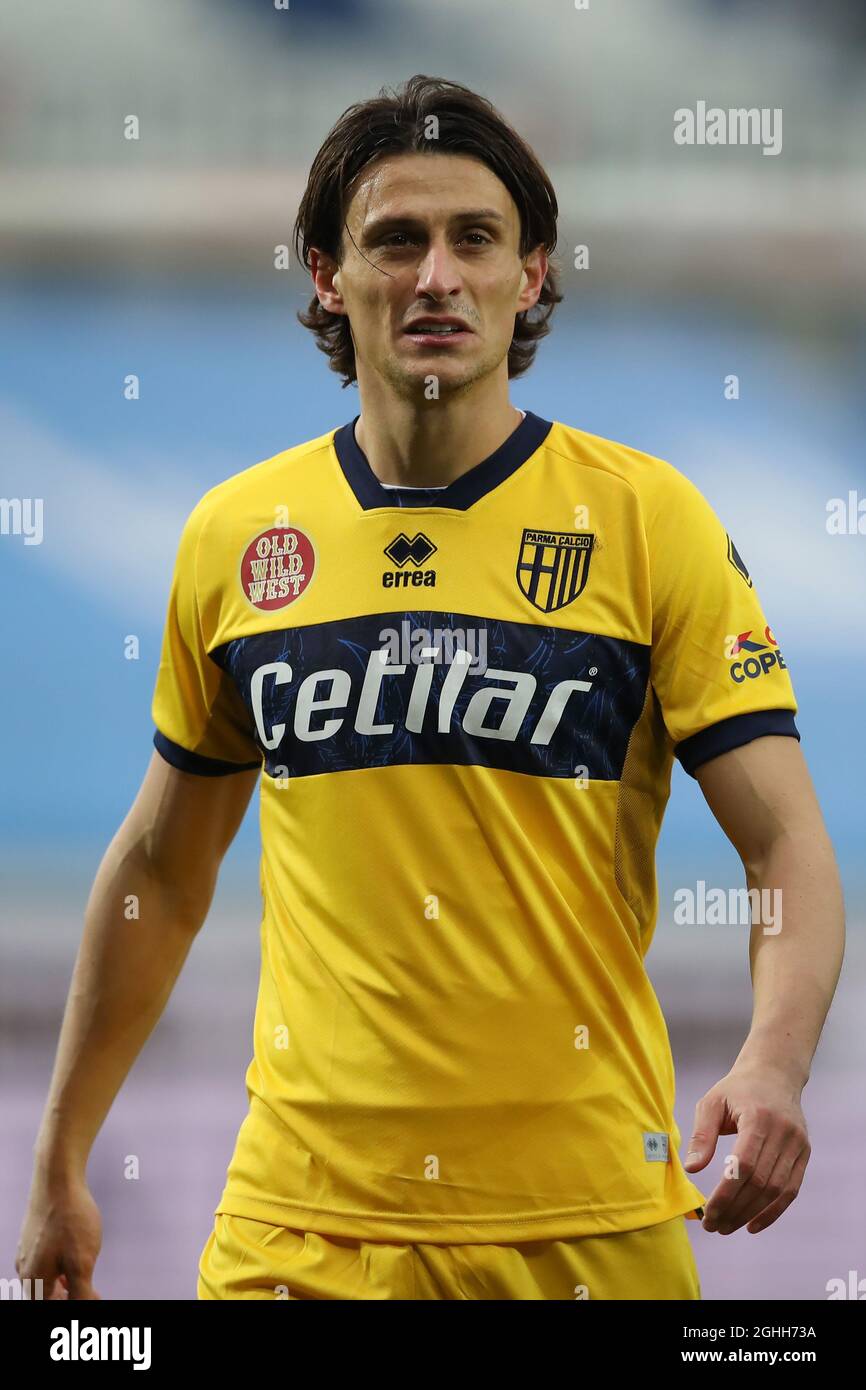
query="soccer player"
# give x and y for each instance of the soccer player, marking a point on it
(460, 645)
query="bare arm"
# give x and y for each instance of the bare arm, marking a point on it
(764, 800)
(150, 896)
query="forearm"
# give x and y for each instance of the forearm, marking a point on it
(137, 933)
(795, 964)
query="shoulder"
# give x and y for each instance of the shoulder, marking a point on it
(655, 481)
(278, 477)
(249, 500)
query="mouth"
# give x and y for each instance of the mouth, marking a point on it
(434, 331)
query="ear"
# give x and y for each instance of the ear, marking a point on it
(532, 279)
(326, 281)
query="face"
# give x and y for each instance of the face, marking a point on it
(430, 236)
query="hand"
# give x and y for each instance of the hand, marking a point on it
(762, 1107)
(60, 1240)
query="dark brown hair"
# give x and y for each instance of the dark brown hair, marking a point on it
(394, 123)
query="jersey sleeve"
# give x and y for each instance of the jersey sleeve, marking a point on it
(716, 665)
(202, 725)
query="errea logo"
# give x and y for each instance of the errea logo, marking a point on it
(655, 1147)
(401, 551)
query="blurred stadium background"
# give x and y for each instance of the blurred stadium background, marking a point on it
(156, 257)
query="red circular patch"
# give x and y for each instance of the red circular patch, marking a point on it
(276, 567)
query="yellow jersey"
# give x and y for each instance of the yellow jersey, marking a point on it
(465, 702)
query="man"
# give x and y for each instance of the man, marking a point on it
(462, 644)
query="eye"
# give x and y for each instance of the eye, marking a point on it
(399, 240)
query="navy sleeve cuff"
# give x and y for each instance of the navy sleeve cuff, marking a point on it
(733, 733)
(195, 762)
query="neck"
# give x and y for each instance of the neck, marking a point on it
(421, 443)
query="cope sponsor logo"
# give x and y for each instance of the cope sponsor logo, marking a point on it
(277, 567)
(751, 658)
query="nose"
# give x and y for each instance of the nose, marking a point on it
(439, 271)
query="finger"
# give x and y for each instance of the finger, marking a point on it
(38, 1271)
(80, 1287)
(772, 1213)
(721, 1196)
(709, 1113)
(47, 1284)
(770, 1177)
(743, 1161)
(769, 1181)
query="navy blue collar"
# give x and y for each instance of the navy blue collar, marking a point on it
(520, 445)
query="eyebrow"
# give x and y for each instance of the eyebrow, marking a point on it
(384, 224)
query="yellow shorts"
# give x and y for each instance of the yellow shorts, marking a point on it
(251, 1259)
